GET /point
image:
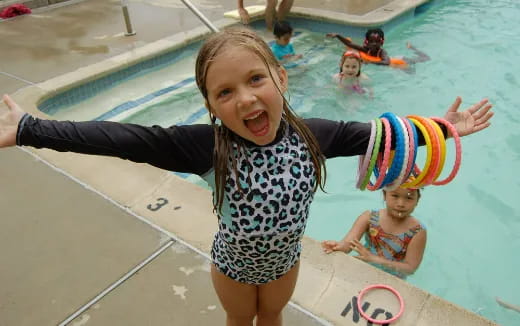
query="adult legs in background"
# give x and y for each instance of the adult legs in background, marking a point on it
(284, 8)
(270, 13)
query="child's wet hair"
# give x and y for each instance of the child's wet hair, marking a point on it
(282, 28)
(377, 31)
(224, 138)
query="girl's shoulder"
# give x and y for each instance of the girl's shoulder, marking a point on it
(364, 77)
(416, 224)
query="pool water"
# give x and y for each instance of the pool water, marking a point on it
(472, 250)
(472, 254)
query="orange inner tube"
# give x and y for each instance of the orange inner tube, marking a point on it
(393, 61)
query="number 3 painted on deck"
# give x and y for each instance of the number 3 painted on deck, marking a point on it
(160, 203)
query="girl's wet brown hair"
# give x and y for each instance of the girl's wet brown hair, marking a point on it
(224, 138)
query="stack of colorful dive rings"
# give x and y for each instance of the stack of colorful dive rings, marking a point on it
(392, 151)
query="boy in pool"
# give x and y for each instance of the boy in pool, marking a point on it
(282, 48)
(373, 46)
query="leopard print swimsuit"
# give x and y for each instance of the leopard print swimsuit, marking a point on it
(260, 230)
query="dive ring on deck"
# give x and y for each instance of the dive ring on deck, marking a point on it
(380, 286)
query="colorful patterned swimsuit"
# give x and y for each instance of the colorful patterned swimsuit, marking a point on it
(387, 245)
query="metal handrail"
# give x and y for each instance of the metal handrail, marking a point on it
(200, 15)
(130, 31)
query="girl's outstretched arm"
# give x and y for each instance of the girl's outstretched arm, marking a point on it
(408, 266)
(473, 119)
(347, 41)
(357, 230)
(9, 122)
(186, 148)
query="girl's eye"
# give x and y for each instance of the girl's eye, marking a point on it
(224, 92)
(256, 78)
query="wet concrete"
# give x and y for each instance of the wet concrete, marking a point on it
(53, 41)
(61, 243)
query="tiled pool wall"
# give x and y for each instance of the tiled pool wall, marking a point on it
(89, 89)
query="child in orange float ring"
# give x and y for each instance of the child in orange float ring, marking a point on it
(372, 50)
(395, 240)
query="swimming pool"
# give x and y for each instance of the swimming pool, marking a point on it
(472, 222)
(477, 213)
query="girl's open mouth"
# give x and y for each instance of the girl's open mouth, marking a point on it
(258, 124)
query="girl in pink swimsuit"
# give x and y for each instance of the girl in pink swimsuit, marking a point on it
(350, 76)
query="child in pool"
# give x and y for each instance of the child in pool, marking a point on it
(263, 162)
(282, 47)
(395, 240)
(350, 76)
(373, 46)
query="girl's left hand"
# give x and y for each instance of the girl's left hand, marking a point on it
(473, 119)
(364, 254)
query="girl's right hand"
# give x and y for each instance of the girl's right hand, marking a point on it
(331, 35)
(9, 122)
(331, 245)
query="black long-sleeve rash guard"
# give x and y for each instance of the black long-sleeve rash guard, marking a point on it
(186, 148)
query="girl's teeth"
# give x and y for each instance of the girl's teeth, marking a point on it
(255, 116)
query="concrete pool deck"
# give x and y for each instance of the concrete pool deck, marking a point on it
(69, 240)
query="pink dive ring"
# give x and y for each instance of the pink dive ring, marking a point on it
(380, 286)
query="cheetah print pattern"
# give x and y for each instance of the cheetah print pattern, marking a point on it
(259, 238)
